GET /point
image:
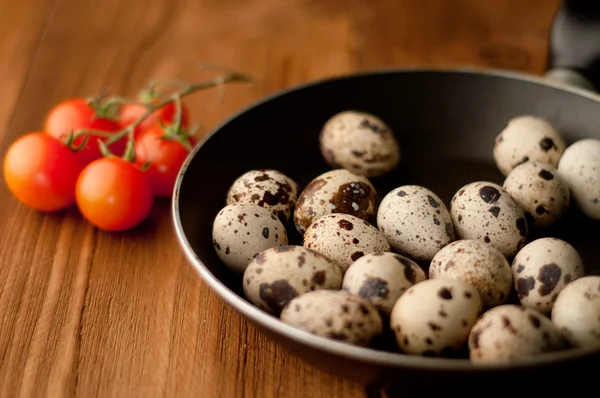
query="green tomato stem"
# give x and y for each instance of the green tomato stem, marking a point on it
(191, 88)
(186, 89)
(104, 150)
(129, 154)
(178, 110)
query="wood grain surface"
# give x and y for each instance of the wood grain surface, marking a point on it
(86, 313)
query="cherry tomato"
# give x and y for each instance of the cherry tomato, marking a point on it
(165, 157)
(113, 194)
(41, 172)
(75, 114)
(131, 112)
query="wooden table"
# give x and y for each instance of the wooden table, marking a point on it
(87, 313)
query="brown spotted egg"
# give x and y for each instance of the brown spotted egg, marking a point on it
(580, 168)
(282, 273)
(336, 191)
(478, 264)
(335, 314)
(344, 238)
(576, 312)
(434, 317)
(510, 332)
(267, 188)
(359, 142)
(540, 191)
(382, 278)
(242, 230)
(542, 269)
(485, 211)
(527, 138)
(415, 222)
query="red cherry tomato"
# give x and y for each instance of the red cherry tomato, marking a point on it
(113, 194)
(41, 172)
(131, 112)
(75, 114)
(165, 157)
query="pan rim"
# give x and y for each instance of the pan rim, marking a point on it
(340, 349)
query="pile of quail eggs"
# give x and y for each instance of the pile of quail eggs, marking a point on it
(439, 278)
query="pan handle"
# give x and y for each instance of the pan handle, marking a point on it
(574, 48)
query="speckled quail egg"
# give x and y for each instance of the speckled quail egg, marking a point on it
(485, 211)
(359, 142)
(336, 191)
(434, 317)
(509, 332)
(580, 168)
(576, 312)
(527, 138)
(415, 222)
(267, 188)
(382, 278)
(478, 264)
(344, 238)
(540, 191)
(335, 314)
(242, 230)
(542, 269)
(279, 274)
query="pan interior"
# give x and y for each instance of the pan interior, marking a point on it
(445, 122)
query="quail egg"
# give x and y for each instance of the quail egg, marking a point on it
(415, 222)
(527, 138)
(335, 314)
(267, 188)
(434, 317)
(382, 278)
(242, 230)
(485, 211)
(580, 168)
(540, 191)
(344, 238)
(542, 269)
(478, 264)
(336, 191)
(279, 274)
(509, 332)
(359, 142)
(576, 312)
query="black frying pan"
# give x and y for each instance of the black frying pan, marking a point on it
(445, 122)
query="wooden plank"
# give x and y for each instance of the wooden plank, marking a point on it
(22, 26)
(118, 319)
(87, 313)
(500, 34)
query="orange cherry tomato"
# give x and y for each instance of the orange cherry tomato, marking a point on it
(113, 194)
(165, 156)
(41, 172)
(74, 114)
